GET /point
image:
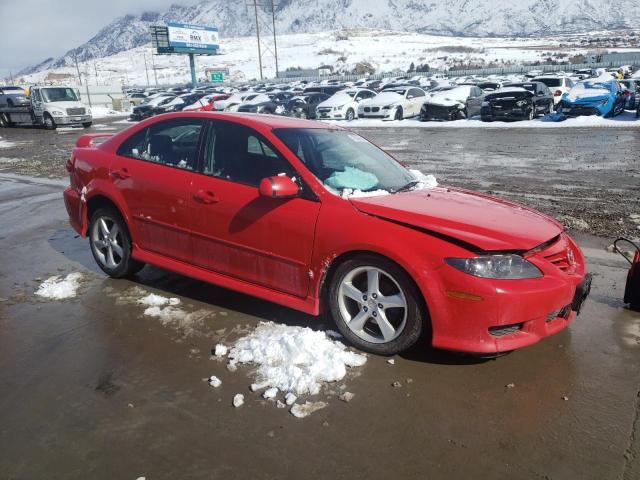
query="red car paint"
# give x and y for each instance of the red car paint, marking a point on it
(280, 249)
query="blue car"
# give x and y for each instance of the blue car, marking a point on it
(596, 96)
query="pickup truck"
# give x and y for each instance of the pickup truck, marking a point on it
(49, 107)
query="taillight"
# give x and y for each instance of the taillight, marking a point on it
(558, 93)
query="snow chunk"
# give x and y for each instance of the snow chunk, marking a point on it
(294, 359)
(290, 398)
(238, 400)
(301, 411)
(426, 181)
(349, 193)
(153, 300)
(220, 350)
(56, 288)
(270, 393)
(352, 178)
(391, 361)
(214, 381)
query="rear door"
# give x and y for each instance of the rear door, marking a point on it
(236, 231)
(415, 99)
(153, 171)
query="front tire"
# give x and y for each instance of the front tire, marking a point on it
(111, 244)
(375, 305)
(399, 114)
(87, 124)
(48, 121)
(350, 115)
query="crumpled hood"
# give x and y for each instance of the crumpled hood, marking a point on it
(337, 100)
(484, 222)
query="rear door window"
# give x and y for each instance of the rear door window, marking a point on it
(172, 142)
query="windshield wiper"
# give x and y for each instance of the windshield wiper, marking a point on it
(408, 186)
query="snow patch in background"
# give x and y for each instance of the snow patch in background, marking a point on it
(6, 143)
(57, 288)
(294, 359)
(105, 112)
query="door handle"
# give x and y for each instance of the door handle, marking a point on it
(121, 174)
(207, 197)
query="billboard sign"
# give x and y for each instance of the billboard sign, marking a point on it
(197, 38)
(216, 77)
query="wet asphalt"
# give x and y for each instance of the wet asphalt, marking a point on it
(92, 388)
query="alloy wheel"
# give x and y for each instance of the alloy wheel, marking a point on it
(107, 241)
(372, 304)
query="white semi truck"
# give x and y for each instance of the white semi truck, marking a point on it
(49, 107)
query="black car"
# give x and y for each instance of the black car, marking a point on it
(453, 103)
(276, 104)
(518, 101)
(304, 106)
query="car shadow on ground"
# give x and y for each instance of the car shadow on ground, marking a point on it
(76, 249)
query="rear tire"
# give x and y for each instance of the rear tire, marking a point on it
(111, 244)
(376, 305)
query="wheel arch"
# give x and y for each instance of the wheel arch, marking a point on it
(329, 271)
(100, 200)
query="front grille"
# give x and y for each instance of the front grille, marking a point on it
(375, 109)
(367, 109)
(579, 110)
(505, 329)
(75, 111)
(324, 110)
(560, 260)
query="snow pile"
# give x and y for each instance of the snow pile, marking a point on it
(426, 181)
(294, 359)
(56, 288)
(349, 193)
(306, 409)
(153, 300)
(104, 112)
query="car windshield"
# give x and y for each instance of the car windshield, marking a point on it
(344, 161)
(527, 86)
(59, 94)
(551, 82)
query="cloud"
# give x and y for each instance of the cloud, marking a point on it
(33, 30)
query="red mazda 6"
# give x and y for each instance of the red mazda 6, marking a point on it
(265, 205)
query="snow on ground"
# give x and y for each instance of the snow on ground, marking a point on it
(384, 50)
(6, 143)
(57, 288)
(293, 359)
(626, 119)
(98, 112)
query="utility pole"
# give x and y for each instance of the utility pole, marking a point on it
(273, 23)
(264, 45)
(155, 74)
(95, 70)
(255, 7)
(146, 72)
(75, 59)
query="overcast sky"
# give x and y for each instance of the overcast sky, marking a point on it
(33, 30)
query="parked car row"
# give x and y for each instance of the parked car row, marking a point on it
(515, 97)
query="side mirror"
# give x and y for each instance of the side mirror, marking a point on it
(278, 187)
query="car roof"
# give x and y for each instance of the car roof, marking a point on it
(253, 119)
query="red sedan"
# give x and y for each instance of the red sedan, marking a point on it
(317, 218)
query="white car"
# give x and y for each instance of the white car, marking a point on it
(235, 99)
(343, 104)
(558, 86)
(393, 104)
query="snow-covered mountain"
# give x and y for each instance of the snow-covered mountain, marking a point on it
(440, 17)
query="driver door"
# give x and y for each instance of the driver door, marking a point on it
(236, 231)
(36, 101)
